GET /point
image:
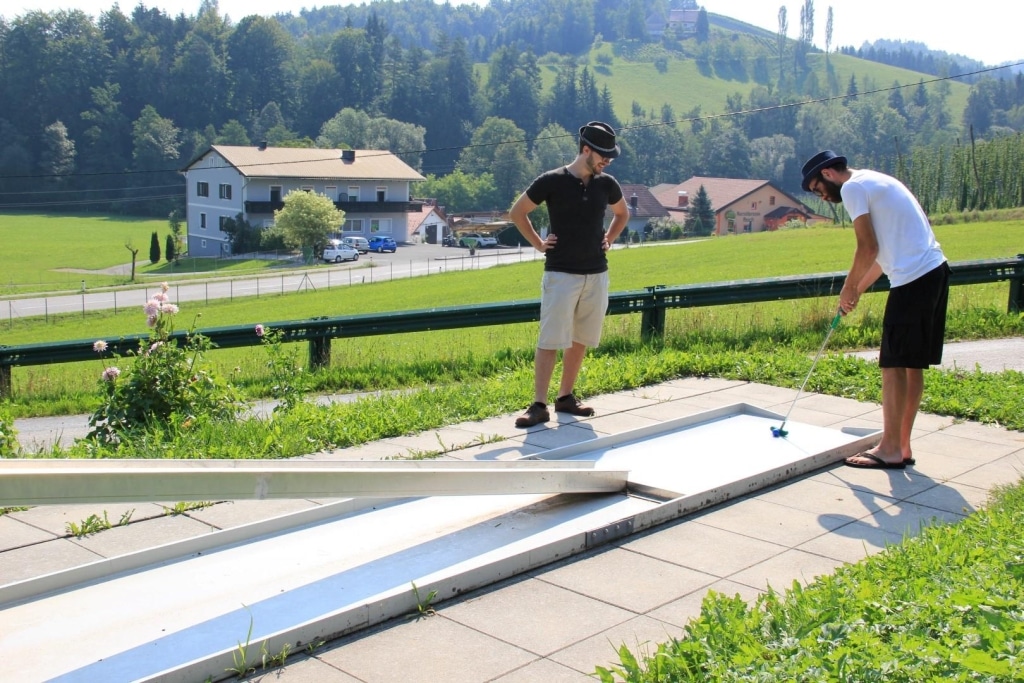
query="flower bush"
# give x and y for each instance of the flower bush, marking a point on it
(165, 389)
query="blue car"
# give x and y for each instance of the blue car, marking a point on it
(380, 244)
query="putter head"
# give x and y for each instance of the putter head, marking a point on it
(778, 432)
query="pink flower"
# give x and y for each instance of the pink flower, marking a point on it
(111, 373)
(169, 309)
(164, 286)
(259, 330)
(151, 308)
(151, 320)
(155, 346)
(160, 296)
(99, 346)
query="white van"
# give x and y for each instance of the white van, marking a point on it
(360, 244)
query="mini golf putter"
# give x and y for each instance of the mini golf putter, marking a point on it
(780, 431)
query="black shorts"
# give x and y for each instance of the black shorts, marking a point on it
(915, 322)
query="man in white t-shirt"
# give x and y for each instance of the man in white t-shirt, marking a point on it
(893, 237)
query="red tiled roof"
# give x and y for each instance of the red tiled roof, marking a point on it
(721, 191)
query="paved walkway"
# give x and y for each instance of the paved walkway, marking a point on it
(988, 355)
(557, 623)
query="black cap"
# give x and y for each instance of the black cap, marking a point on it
(817, 164)
(600, 137)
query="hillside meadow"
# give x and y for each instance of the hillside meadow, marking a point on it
(684, 87)
(358, 364)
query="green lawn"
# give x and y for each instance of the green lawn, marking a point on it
(437, 356)
(45, 252)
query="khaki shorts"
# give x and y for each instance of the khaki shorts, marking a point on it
(572, 309)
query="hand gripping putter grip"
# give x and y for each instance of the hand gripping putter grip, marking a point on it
(779, 431)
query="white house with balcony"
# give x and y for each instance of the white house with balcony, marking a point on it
(372, 187)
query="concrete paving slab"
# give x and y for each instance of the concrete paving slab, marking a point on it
(555, 619)
(55, 518)
(621, 577)
(31, 561)
(780, 571)
(952, 497)
(950, 443)
(1004, 471)
(706, 549)
(427, 650)
(908, 519)
(771, 522)
(816, 496)
(122, 540)
(15, 533)
(640, 635)
(544, 671)
(852, 542)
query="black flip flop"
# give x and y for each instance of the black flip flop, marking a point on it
(879, 463)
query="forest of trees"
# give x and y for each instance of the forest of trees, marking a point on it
(100, 114)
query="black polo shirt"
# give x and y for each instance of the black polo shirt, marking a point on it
(577, 217)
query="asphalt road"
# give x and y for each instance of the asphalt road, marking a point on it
(412, 260)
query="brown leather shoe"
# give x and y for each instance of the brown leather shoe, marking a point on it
(534, 415)
(570, 404)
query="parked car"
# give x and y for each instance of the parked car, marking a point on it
(381, 243)
(338, 252)
(360, 244)
(482, 242)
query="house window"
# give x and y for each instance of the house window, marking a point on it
(380, 225)
(202, 243)
(771, 200)
(382, 194)
(202, 189)
(353, 225)
(753, 206)
(202, 221)
(225, 191)
(275, 194)
(221, 222)
(332, 193)
(307, 188)
(353, 193)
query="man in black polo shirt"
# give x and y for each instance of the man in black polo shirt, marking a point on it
(574, 290)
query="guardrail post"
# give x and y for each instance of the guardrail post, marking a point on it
(319, 352)
(652, 322)
(1016, 302)
(5, 381)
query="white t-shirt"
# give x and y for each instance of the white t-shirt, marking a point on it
(907, 248)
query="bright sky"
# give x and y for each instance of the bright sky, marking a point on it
(980, 29)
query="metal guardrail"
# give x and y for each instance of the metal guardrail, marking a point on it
(652, 303)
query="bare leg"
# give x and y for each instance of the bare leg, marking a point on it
(572, 361)
(543, 367)
(894, 406)
(912, 402)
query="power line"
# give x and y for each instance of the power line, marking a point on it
(400, 153)
(87, 202)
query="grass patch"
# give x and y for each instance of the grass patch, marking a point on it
(56, 252)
